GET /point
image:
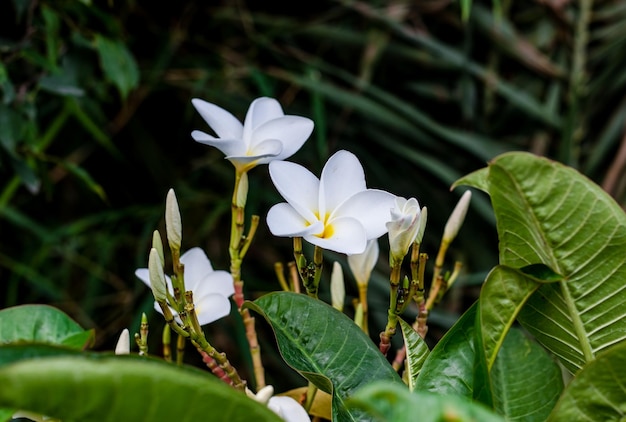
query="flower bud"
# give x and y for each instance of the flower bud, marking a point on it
(455, 221)
(337, 287)
(242, 191)
(123, 343)
(362, 264)
(173, 223)
(157, 244)
(157, 276)
(403, 227)
(422, 228)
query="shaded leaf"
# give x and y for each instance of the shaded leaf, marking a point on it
(42, 324)
(324, 346)
(393, 403)
(598, 392)
(81, 388)
(526, 381)
(118, 64)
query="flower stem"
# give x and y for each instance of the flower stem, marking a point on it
(363, 302)
(238, 247)
(392, 316)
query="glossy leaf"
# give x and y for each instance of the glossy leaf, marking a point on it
(42, 324)
(416, 353)
(118, 64)
(393, 403)
(598, 392)
(103, 387)
(324, 346)
(526, 381)
(450, 367)
(550, 214)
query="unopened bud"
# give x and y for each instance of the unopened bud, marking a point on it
(157, 244)
(362, 264)
(242, 191)
(173, 224)
(157, 276)
(455, 221)
(422, 228)
(337, 287)
(123, 344)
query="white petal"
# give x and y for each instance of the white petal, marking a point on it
(197, 267)
(347, 236)
(221, 121)
(228, 146)
(291, 131)
(288, 409)
(284, 221)
(341, 178)
(298, 186)
(143, 275)
(218, 282)
(261, 111)
(371, 208)
(268, 148)
(362, 264)
(211, 308)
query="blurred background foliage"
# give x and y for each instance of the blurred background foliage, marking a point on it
(95, 123)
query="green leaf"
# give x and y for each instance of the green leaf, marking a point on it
(541, 273)
(416, 353)
(392, 403)
(550, 214)
(103, 387)
(6, 414)
(42, 324)
(450, 368)
(118, 64)
(526, 381)
(324, 346)
(598, 392)
(504, 293)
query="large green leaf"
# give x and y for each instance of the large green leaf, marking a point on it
(526, 381)
(325, 346)
(451, 367)
(391, 403)
(598, 392)
(416, 353)
(42, 324)
(104, 387)
(550, 214)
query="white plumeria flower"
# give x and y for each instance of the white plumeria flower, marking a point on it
(266, 135)
(403, 227)
(362, 264)
(285, 407)
(211, 289)
(336, 212)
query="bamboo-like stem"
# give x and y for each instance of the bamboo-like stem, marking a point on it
(392, 317)
(166, 340)
(279, 270)
(363, 301)
(180, 349)
(238, 247)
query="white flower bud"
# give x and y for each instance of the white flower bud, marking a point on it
(242, 191)
(157, 244)
(337, 287)
(455, 221)
(173, 224)
(362, 264)
(422, 228)
(403, 227)
(123, 344)
(157, 276)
